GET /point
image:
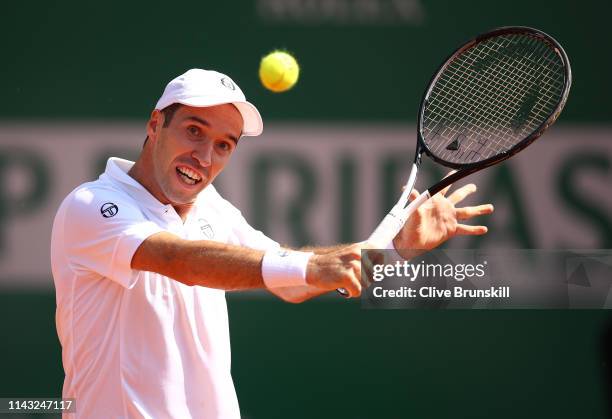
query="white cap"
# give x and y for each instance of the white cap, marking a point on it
(203, 88)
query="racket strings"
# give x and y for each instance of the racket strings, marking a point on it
(497, 105)
(496, 111)
(491, 97)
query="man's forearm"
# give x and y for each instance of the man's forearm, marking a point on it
(228, 267)
(206, 263)
(323, 250)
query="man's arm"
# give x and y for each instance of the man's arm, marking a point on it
(207, 263)
(229, 267)
(431, 225)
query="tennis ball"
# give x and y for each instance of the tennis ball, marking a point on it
(278, 71)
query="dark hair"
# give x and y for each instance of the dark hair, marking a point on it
(168, 112)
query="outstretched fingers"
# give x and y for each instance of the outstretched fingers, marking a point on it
(468, 230)
(462, 193)
(466, 213)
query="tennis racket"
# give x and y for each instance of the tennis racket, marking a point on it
(489, 100)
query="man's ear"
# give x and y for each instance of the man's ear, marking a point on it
(155, 123)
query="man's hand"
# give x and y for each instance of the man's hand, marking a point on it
(328, 269)
(437, 220)
(340, 268)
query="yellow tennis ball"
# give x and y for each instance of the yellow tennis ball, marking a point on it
(278, 71)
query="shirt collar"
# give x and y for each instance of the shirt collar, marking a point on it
(117, 173)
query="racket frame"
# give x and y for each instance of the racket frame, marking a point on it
(404, 209)
(552, 117)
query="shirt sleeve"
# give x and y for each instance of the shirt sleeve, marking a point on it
(245, 235)
(102, 231)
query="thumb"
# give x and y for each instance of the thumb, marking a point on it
(413, 195)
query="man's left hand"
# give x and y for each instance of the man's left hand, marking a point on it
(437, 220)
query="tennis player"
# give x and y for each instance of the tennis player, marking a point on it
(142, 258)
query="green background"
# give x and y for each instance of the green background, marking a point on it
(70, 59)
(331, 359)
(66, 61)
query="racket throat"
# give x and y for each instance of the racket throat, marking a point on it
(409, 184)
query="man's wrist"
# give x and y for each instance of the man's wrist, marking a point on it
(403, 253)
(393, 253)
(284, 268)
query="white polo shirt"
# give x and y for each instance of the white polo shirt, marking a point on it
(138, 344)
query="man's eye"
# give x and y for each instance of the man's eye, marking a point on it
(193, 130)
(225, 146)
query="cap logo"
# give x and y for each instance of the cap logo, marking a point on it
(228, 83)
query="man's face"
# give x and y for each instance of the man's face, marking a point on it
(193, 149)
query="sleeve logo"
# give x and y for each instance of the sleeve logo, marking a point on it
(109, 210)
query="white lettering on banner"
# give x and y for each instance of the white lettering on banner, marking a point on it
(293, 182)
(342, 12)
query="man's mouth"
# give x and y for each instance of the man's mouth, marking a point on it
(188, 176)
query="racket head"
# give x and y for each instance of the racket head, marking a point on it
(527, 78)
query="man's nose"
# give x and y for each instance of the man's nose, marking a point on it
(203, 153)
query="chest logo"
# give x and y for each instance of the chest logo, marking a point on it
(206, 228)
(109, 210)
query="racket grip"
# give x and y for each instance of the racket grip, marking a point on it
(393, 223)
(387, 230)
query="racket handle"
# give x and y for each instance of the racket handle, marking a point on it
(393, 223)
(390, 226)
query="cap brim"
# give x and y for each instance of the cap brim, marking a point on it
(252, 122)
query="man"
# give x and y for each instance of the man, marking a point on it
(142, 258)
